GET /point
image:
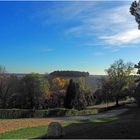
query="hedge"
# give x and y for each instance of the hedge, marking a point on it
(56, 112)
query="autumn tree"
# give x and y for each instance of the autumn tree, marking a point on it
(119, 74)
(58, 83)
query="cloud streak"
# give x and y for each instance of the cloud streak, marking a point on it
(112, 27)
(127, 37)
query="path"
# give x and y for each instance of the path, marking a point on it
(108, 114)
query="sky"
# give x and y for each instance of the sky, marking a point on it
(68, 35)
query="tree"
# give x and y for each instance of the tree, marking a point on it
(33, 89)
(76, 95)
(70, 95)
(58, 83)
(119, 75)
(7, 88)
(79, 101)
(137, 81)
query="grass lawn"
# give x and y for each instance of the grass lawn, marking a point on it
(25, 133)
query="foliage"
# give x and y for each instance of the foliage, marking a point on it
(58, 83)
(119, 78)
(77, 94)
(8, 88)
(55, 99)
(137, 87)
(34, 88)
(70, 94)
(79, 101)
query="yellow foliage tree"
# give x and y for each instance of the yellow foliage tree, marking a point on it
(58, 83)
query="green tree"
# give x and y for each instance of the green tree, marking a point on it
(70, 94)
(34, 88)
(75, 95)
(79, 101)
(137, 81)
(119, 74)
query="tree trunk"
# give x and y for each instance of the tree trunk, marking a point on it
(117, 102)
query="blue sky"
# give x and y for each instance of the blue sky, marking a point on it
(86, 36)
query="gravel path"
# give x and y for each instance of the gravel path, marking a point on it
(108, 114)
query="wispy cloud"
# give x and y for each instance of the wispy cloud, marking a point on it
(64, 11)
(112, 26)
(127, 37)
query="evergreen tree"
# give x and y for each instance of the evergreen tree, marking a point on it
(70, 95)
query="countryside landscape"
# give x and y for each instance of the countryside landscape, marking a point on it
(69, 70)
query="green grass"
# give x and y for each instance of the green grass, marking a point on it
(103, 120)
(25, 133)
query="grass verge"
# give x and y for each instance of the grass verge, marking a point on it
(25, 133)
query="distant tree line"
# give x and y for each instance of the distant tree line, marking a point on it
(69, 74)
(35, 91)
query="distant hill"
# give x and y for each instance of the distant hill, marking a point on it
(69, 74)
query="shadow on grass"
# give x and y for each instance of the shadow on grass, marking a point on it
(76, 128)
(123, 127)
(104, 129)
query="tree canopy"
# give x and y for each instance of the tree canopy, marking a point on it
(119, 77)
